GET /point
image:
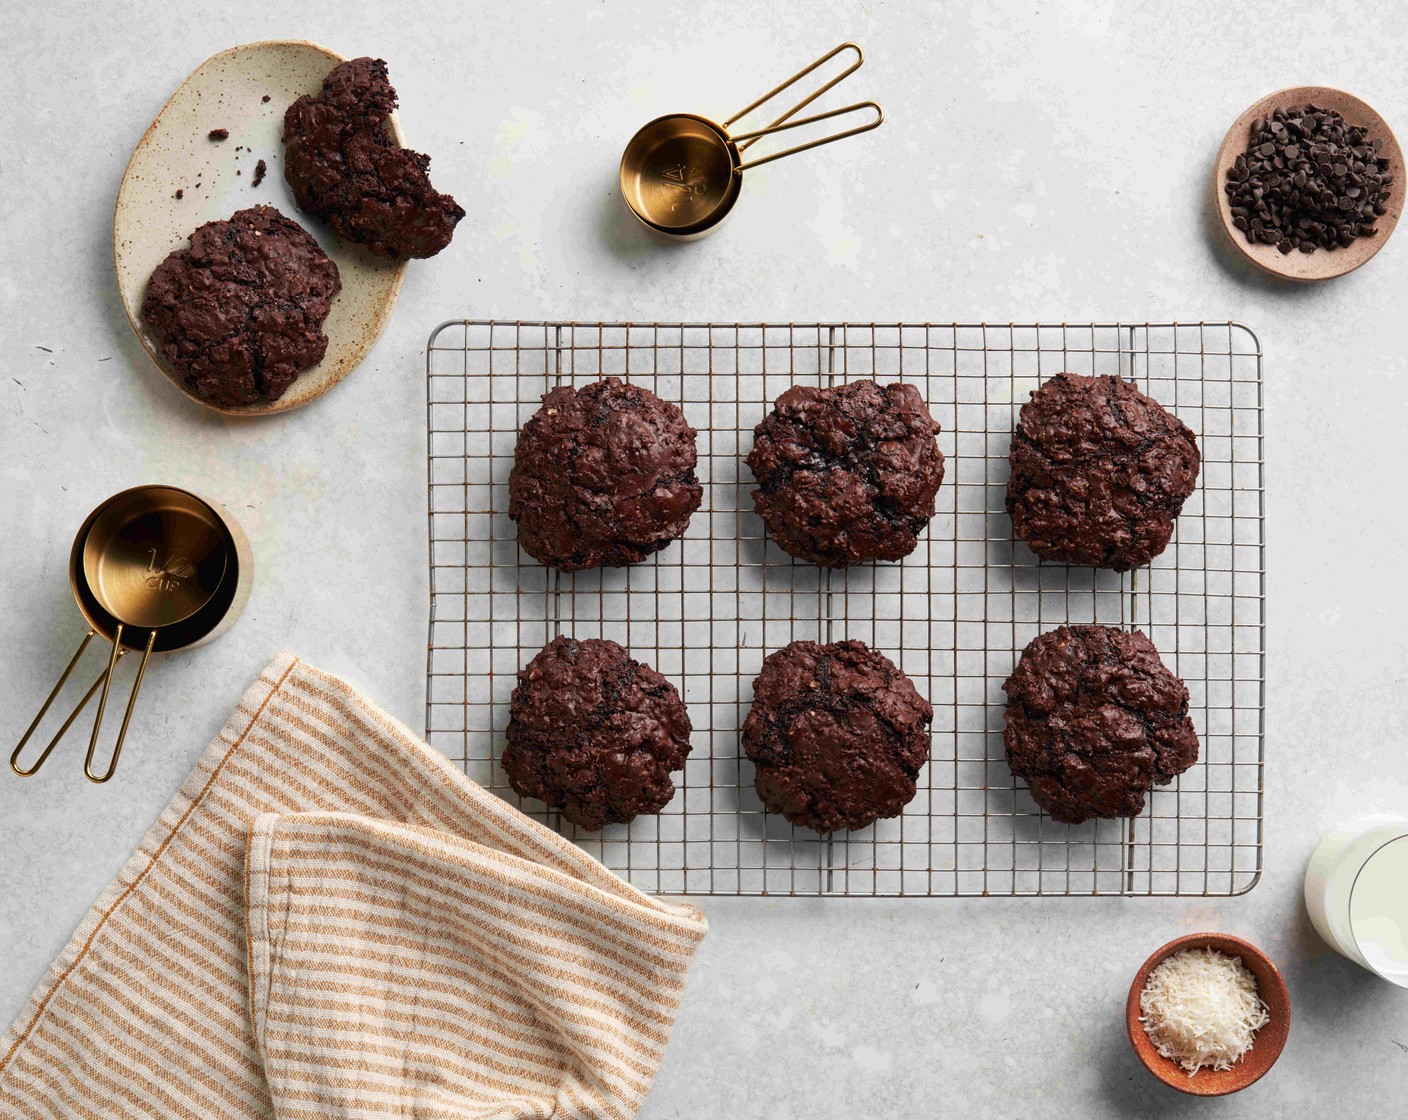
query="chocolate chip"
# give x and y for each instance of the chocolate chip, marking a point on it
(1308, 179)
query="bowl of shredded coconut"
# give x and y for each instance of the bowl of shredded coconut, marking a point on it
(1208, 1014)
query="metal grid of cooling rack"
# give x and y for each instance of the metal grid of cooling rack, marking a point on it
(954, 615)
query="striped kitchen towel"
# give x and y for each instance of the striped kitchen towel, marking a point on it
(330, 920)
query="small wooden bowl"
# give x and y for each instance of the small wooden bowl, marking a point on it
(1322, 264)
(1270, 1040)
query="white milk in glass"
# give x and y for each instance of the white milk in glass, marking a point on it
(1356, 890)
(1378, 911)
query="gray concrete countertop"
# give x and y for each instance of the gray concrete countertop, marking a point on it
(1039, 163)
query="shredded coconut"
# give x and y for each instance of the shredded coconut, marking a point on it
(1200, 1008)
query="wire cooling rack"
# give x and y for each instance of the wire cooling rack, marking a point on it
(954, 615)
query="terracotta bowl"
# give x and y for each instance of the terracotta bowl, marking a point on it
(1270, 1040)
(1321, 264)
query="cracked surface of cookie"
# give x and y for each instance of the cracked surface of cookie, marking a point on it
(1095, 719)
(847, 474)
(837, 735)
(602, 475)
(1099, 472)
(239, 314)
(595, 733)
(345, 168)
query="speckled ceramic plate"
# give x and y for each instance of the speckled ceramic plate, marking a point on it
(244, 90)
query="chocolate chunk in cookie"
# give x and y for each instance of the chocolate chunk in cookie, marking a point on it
(837, 735)
(240, 313)
(1099, 472)
(595, 733)
(1094, 719)
(344, 167)
(602, 475)
(847, 474)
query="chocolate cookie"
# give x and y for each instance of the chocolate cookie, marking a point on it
(837, 735)
(602, 475)
(344, 167)
(594, 733)
(847, 474)
(1099, 472)
(240, 313)
(1093, 720)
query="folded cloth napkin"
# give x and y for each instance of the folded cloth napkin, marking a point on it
(330, 920)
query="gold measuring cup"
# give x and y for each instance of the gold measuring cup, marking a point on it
(682, 173)
(154, 568)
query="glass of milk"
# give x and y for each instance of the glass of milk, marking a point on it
(1356, 889)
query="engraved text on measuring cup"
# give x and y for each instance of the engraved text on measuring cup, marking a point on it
(168, 576)
(686, 180)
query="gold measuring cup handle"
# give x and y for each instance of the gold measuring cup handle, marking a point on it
(751, 136)
(804, 102)
(105, 681)
(25, 772)
(117, 652)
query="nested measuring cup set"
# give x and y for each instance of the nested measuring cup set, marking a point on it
(158, 569)
(681, 174)
(154, 569)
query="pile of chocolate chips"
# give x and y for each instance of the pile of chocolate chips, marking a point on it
(1308, 180)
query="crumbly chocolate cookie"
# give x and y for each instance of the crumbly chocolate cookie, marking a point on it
(602, 475)
(595, 733)
(1094, 719)
(1099, 472)
(240, 313)
(837, 735)
(344, 167)
(847, 474)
